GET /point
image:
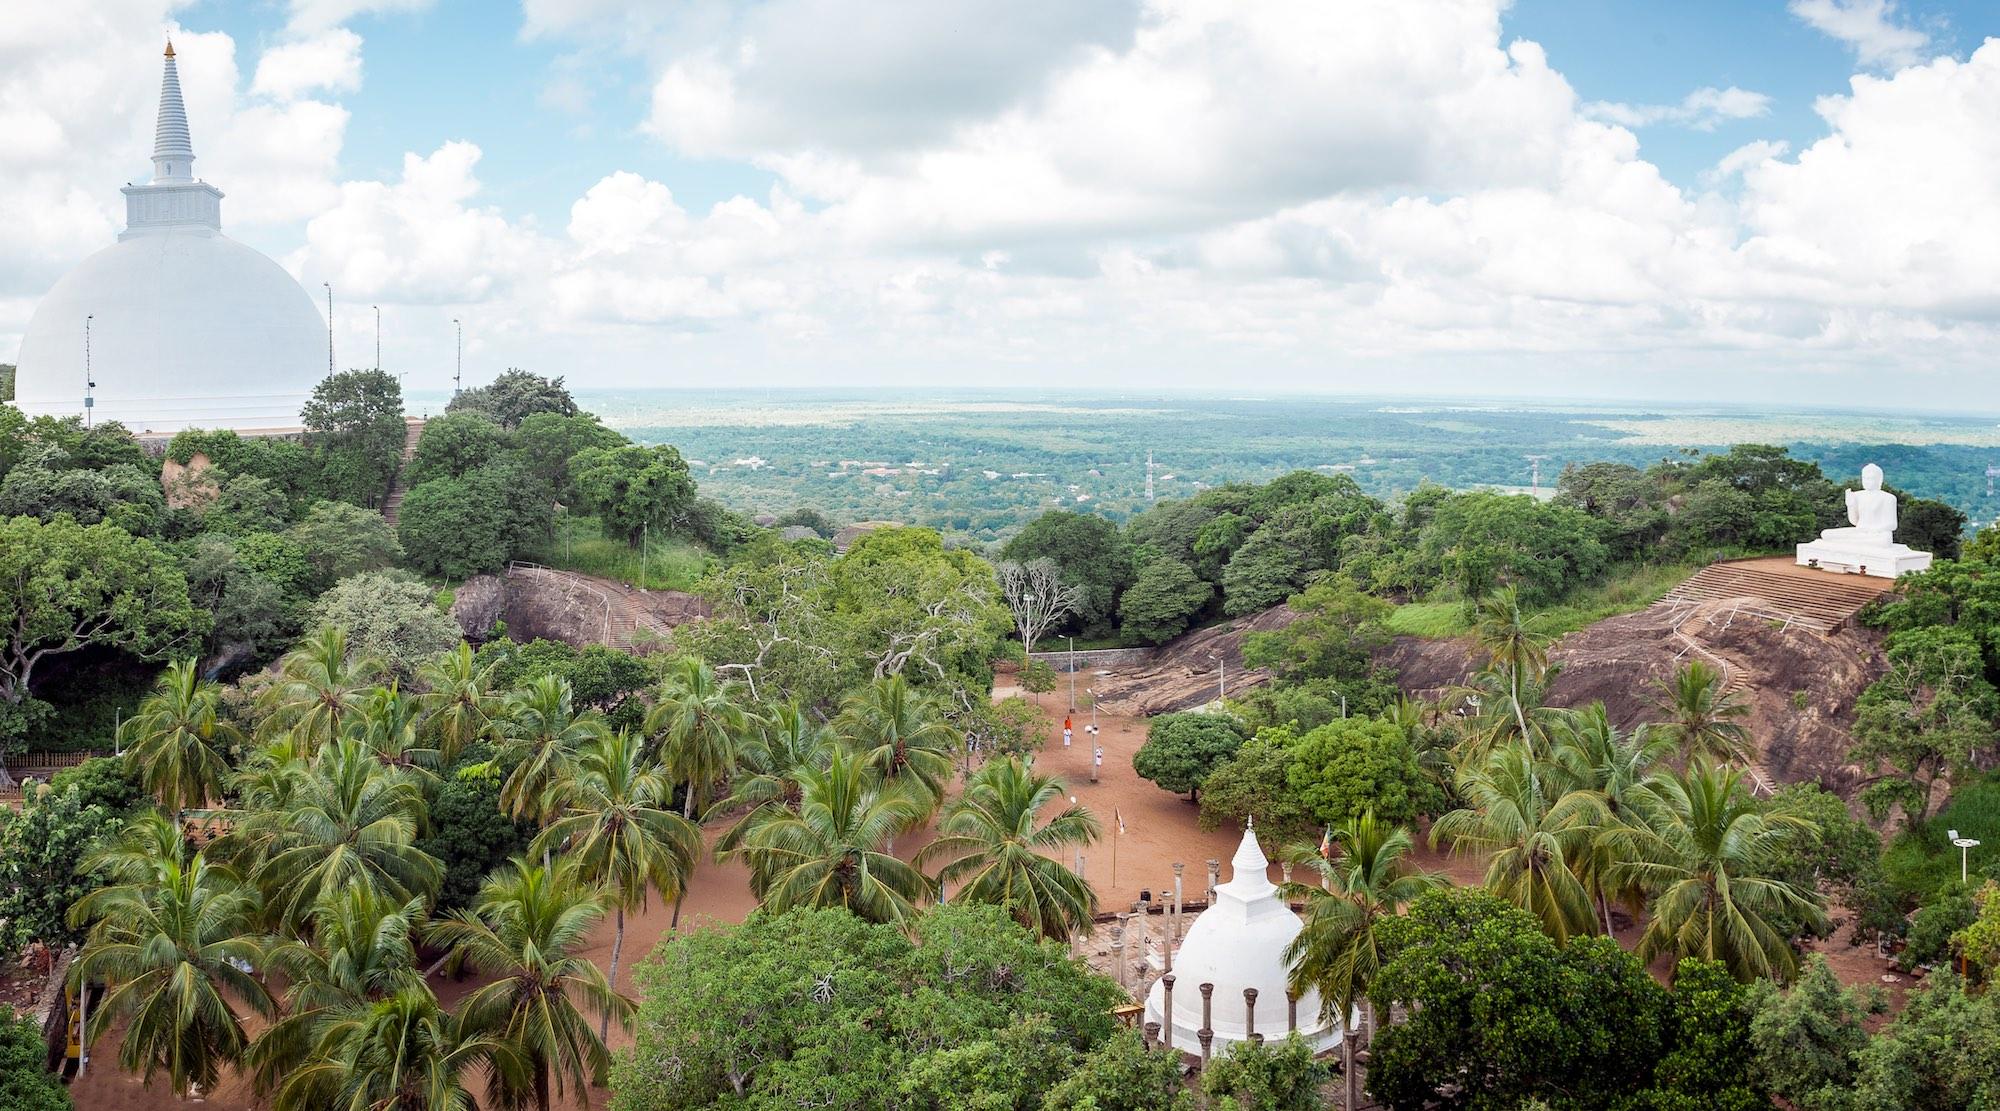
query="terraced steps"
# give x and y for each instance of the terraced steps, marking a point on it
(413, 430)
(1776, 588)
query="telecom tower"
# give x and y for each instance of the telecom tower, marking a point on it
(1535, 472)
(1992, 472)
(1149, 475)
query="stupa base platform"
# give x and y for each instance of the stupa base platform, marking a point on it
(1882, 563)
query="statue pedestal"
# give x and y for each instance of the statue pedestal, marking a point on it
(1885, 561)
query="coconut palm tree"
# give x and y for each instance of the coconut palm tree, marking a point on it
(900, 735)
(359, 952)
(1514, 647)
(621, 837)
(830, 854)
(1535, 840)
(401, 1053)
(318, 687)
(994, 840)
(172, 948)
(390, 724)
(1702, 717)
(171, 743)
(352, 822)
(459, 700)
(526, 931)
(1610, 775)
(1704, 854)
(786, 742)
(1337, 952)
(540, 731)
(701, 725)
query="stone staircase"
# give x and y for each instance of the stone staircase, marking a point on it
(413, 430)
(1777, 589)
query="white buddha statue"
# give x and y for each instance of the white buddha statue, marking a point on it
(1868, 546)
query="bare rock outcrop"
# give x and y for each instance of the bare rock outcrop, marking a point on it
(583, 609)
(1184, 672)
(477, 605)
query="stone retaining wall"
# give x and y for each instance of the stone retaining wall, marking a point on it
(1094, 658)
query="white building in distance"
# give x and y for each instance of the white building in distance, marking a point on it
(184, 327)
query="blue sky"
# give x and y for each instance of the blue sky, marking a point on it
(1780, 199)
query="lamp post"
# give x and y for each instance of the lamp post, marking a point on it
(89, 384)
(1965, 847)
(329, 328)
(1221, 676)
(378, 337)
(458, 375)
(1072, 673)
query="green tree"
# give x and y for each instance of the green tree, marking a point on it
(1941, 1053)
(1705, 854)
(1090, 553)
(1702, 716)
(171, 948)
(1496, 1013)
(514, 396)
(341, 540)
(171, 743)
(460, 699)
(454, 528)
(351, 822)
(900, 736)
(541, 733)
(455, 445)
(469, 833)
(1335, 636)
(701, 724)
(248, 612)
(319, 686)
(1339, 951)
(389, 616)
(1708, 1052)
(402, 1053)
(354, 423)
(1164, 597)
(999, 850)
(1122, 1075)
(632, 489)
(44, 848)
(1269, 1076)
(1182, 749)
(1252, 786)
(65, 587)
(1928, 718)
(1351, 766)
(546, 443)
(830, 853)
(1536, 838)
(618, 835)
(785, 742)
(962, 1005)
(527, 932)
(1038, 678)
(1807, 1040)
(26, 1084)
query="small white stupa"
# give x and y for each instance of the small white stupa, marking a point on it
(1238, 942)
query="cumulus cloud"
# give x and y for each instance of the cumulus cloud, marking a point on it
(321, 15)
(1868, 27)
(1703, 109)
(329, 61)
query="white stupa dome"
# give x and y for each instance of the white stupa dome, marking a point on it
(1239, 942)
(185, 327)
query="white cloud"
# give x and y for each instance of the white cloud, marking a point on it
(1743, 158)
(321, 15)
(1869, 27)
(1703, 109)
(329, 61)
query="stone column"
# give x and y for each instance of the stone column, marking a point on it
(1152, 1034)
(1250, 1012)
(1291, 1012)
(1285, 871)
(1207, 1031)
(1118, 949)
(1214, 879)
(1167, 1007)
(1178, 869)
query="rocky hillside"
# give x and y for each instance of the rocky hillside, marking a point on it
(1801, 684)
(1182, 674)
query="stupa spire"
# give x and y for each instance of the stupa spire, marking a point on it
(173, 148)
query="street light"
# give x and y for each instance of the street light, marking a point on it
(1221, 676)
(458, 376)
(329, 328)
(1965, 847)
(378, 337)
(1072, 673)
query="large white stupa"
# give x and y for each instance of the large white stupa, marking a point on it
(186, 327)
(1239, 942)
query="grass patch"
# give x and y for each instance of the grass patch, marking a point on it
(1624, 590)
(580, 545)
(1922, 859)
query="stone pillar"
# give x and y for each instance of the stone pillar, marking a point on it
(1291, 1012)
(1152, 1034)
(1285, 871)
(1249, 1012)
(1167, 923)
(1178, 869)
(1167, 1007)
(1207, 1031)
(1118, 949)
(1214, 879)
